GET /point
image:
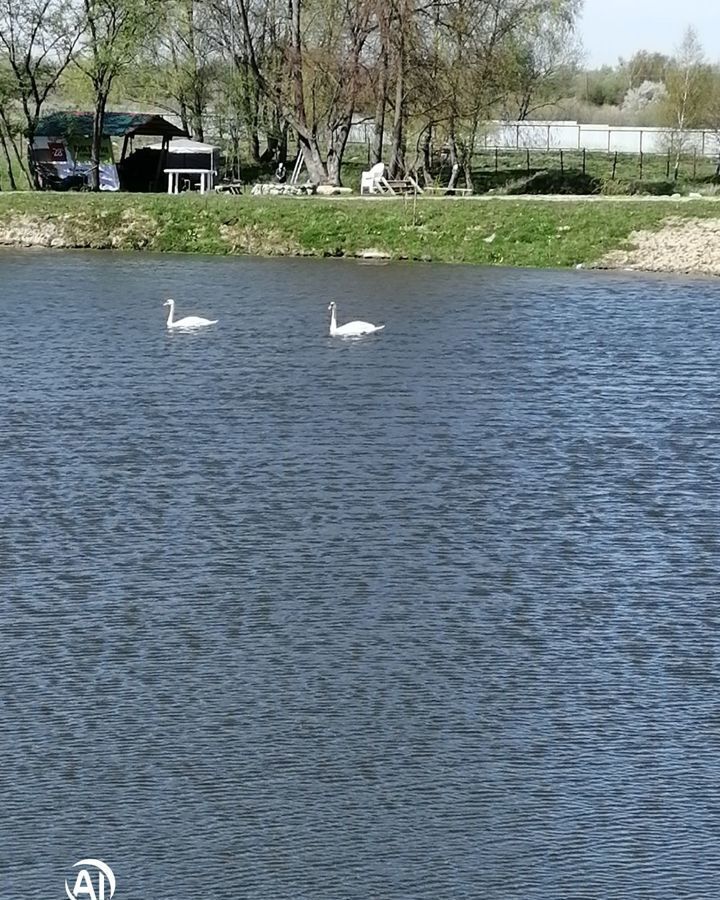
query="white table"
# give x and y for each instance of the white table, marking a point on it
(206, 178)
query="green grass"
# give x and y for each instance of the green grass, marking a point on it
(527, 232)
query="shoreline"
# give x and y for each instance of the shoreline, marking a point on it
(673, 235)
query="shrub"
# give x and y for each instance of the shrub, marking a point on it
(570, 181)
(636, 186)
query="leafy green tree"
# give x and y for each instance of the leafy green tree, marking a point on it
(688, 82)
(542, 60)
(183, 61)
(39, 38)
(605, 86)
(645, 66)
(116, 30)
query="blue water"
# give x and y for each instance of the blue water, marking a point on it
(429, 615)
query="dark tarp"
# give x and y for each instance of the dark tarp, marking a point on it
(79, 124)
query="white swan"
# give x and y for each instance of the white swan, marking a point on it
(350, 329)
(188, 321)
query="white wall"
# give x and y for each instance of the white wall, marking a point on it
(572, 136)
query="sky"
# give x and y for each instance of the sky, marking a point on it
(613, 28)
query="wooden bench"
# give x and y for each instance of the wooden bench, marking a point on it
(228, 188)
(400, 186)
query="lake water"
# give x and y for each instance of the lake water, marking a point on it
(430, 615)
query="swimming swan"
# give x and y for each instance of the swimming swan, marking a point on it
(350, 329)
(188, 321)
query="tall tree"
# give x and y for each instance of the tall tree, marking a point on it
(314, 88)
(116, 30)
(250, 38)
(474, 50)
(184, 45)
(688, 83)
(541, 59)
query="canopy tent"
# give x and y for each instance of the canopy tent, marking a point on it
(62, 143)
(115, 125)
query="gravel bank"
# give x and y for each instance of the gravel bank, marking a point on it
(691, 246)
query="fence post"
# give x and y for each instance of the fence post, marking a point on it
(496, 160)
(614, 166)
(527, 152)
(695, 163)
(562, 168)
(583, 163)
(548, 138)
(667, 166)
(641, 165)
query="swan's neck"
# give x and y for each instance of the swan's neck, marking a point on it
(170, 314)
(333, 322)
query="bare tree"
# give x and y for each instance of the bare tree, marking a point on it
(250, 39)
(312, 71)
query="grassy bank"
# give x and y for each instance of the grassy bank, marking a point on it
(501, 232)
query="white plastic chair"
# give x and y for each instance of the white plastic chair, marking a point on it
(370, 180)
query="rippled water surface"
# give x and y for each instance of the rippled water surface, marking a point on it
(427, 616)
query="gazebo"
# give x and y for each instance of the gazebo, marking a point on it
(191, 161)
(61, 149)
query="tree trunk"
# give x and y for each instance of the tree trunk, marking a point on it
(380, 107)
(468, 156)
(16, 150)
(427, 155)
(197, 86)
(333, 167)
(397, 149)
(97, 135)
(253, 115)
(376, 154)
(6, 153)
(454, 175)
(196, 115)
(184, 118)
(283, 145)
(313, 159)
(34, 175)
(337, 151)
